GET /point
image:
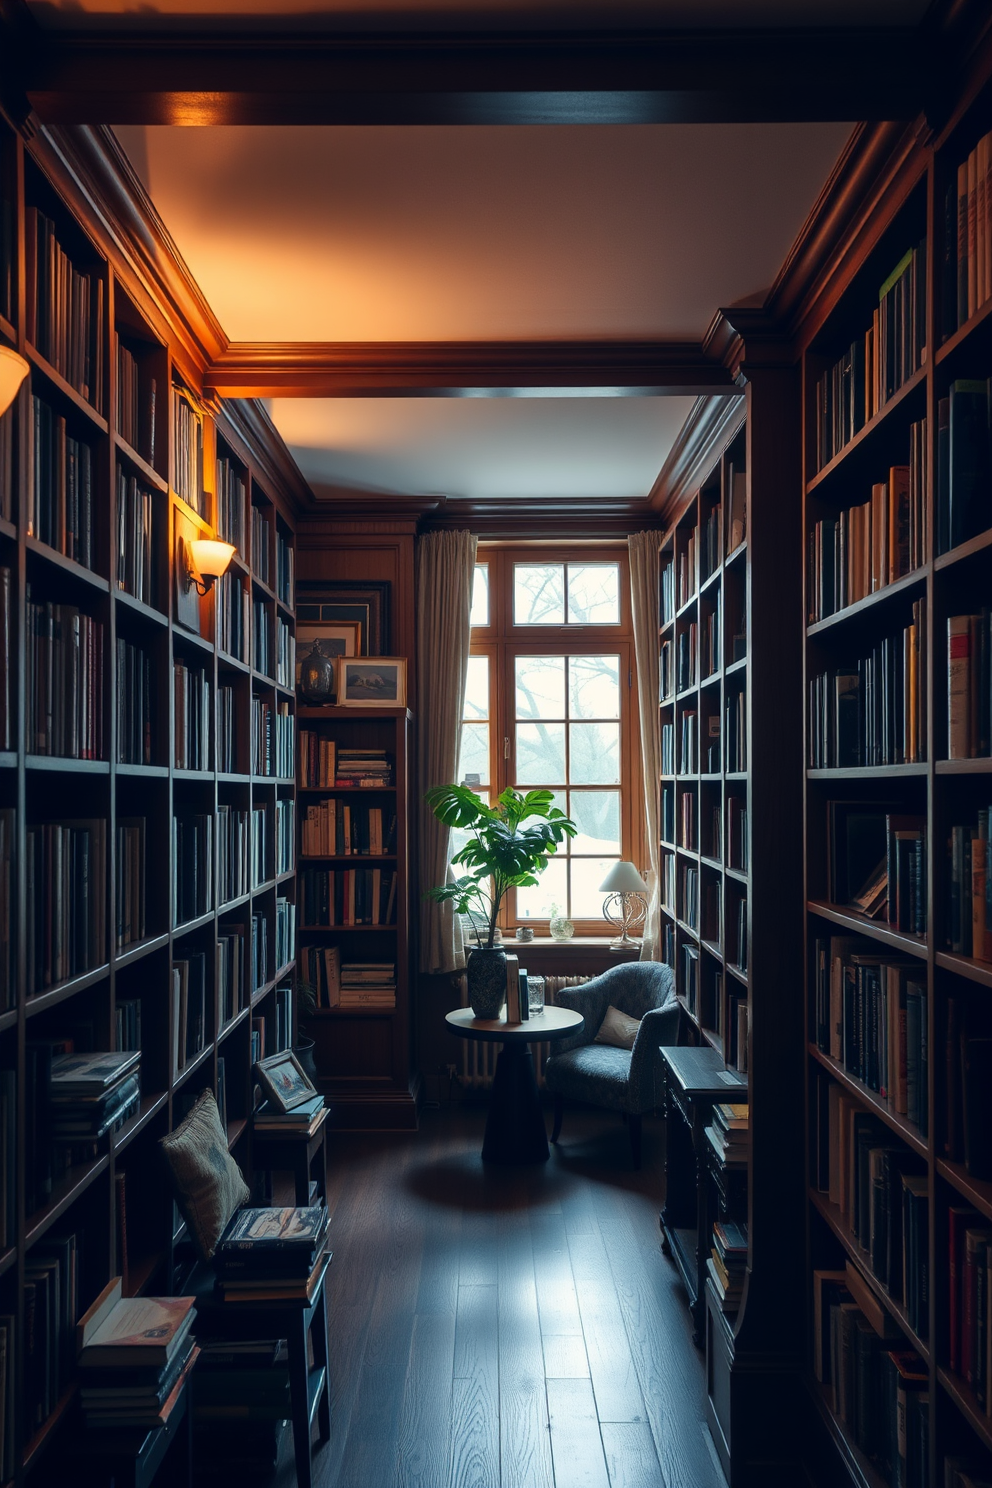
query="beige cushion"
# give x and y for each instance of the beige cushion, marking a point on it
(618, 1029)
(209, 1184)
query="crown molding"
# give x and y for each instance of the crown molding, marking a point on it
(266, 450)
(558, 518)
(711, 425)
(450, 368)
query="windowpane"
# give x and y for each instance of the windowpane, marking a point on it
(538, 594)
(586, 876)
(594, 686)
(541, 754)
(477, 688)
(480, 595)
(474, 755)
(597, 816)
(535, 904)
(540, 687)
(594, 594)
(594, 753)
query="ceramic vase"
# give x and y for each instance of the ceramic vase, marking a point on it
(486, 974)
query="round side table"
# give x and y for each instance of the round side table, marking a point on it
(515, 1131)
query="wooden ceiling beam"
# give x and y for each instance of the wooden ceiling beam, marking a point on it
(440, 369)
(126, 76)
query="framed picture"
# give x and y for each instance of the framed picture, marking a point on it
(332, 638)
(341, 602)
(284, 1081)
(372, 682)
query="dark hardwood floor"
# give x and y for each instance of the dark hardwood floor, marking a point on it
(506, 1328)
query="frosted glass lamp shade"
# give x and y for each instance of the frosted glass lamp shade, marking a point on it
(623, 878)
(211, 559)
(13, 370)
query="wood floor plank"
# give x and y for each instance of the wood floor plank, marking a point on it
(611, 1364)
(424, 1446)
(631, 1459)
(576, 1445)
(475, 1391)
(525, 1447)
(565, 1356)
(557, 1303)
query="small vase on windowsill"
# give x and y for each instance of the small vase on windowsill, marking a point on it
(560, 927)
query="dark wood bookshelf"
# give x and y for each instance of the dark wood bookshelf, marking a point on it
(42, 788)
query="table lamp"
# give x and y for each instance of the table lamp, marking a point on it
(13, 370)
(625, 905)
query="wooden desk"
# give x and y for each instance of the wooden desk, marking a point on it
(695, 1081)
(515, 1132)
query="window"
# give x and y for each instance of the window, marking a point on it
(549, 704)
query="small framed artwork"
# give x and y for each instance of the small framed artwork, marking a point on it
(319, 643)
(372, 682)
(284, 1081)
(339, 601)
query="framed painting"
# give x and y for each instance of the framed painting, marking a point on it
(323, 641)
(372, 682)
(343, 602)
(283, 1080)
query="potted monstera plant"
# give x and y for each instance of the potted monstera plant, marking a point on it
(509, 845)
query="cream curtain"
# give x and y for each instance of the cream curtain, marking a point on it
(645, 576)
(445, 567)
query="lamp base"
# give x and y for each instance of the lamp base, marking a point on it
(625, 942)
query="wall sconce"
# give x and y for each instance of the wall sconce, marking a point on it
(13, 370)
(626, 905)
(207, 558)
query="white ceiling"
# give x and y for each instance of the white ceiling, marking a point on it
(482, 447)
(482, 233)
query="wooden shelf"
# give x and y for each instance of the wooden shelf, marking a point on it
(978, 1191)
(869, 772)
(866, 432)
(40, 1002)
(146, 471)
(861, 607)
(963, 1397)
(875, 1102)
(66, 765)
(912, 945)
(980, 766)
(70, 1187)
(979, 321)
(964, 550)
(66, 389)
(966, 966)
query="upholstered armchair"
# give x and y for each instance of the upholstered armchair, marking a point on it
(624, 1080)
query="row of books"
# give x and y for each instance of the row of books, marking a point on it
(963, 461)
(969, 889)
(135, 538)
(687, 897)
(260, 537)
(323, 766)
(61, 486)
(66, 872)
(228, 732)
(968, 1087)
(667, 824)
(738, 953)
(872, 710)
(726, 1265)
(968, 237)
(129, 880)
(231, 494)
(191, 705)
(285, 653)
(285, 932)
(688, 742)
(273, 737)
(348, 896)
(259, 954)
(876, 861)
(136, 1356)
(335, 828)
(232, 615)
(709, 652)
(668, 881)
(232, 853)
(666, 597)
(51, 1301)
(134, 704)
(687, 641)
(969, 685)
(711, 546)
(272, 1254)
(876, 1387)
(728, 1133)
(89, 1096)
(865, 548)
(127, 1024)
(259, 844)
(285, 564)
(687, 820)
(284, 1028)
(871, 1017)
(187, 450)
(349, 985)
(686, 569)
(135, 404)
(230, 971)
(880, 1188)
(970, 1301)
(64, 681)
(738, 847)
(189, 1009)
(735, 707)
(261, 637)
(690, 978)
(192, 866)
(8, 840)
(876, 364)
(64, 309)
(285, 835)
(666, 672)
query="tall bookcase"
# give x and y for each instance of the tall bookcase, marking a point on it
(168, 762)
(362, 1054)
(890, 1103)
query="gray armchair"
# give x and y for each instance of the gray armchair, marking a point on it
(624, 1080)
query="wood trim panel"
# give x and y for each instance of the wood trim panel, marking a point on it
(545, 519)
(444, 368)
(706, 433)
(600, 76)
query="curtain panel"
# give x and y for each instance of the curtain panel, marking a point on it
(445, 568)
(645, 577)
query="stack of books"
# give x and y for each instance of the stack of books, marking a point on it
(364, 767)
(368, 984)
(302, 1120)
(728, 1133)
(135, 1357)
(727, 1263)
(91, 1095)
(272, 1255)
